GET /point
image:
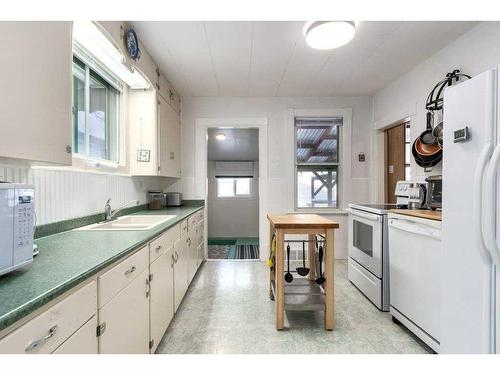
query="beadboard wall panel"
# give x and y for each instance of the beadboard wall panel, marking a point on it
(62, 194)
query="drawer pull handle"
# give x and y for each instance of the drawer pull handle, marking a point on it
(37, 343)
(158, 248)
(172, 260)
(129, 271)
(148, 290)
(176, 257)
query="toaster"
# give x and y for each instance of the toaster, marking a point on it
(174, 199)
(16, 226)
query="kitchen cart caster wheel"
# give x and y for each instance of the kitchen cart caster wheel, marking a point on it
(395, 321)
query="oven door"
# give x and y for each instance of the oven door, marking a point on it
(365, 240)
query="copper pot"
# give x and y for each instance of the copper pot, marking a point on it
(426, 150)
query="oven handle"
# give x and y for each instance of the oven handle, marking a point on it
(368, 216)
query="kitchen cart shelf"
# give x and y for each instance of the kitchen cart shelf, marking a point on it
(301, 293)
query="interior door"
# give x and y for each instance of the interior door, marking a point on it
(162, 296)
(395, 160)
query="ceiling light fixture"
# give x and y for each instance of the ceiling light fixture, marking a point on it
(329, 34)
(220, 137)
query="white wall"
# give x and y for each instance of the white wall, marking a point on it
(232, 217)
(278, 194)
(472, 53)
(62, 193)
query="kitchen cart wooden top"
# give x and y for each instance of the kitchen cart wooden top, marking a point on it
(298, 221)
(424, 214)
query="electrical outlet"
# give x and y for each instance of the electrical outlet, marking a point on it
(143, 156)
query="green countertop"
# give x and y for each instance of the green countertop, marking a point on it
(68, 258)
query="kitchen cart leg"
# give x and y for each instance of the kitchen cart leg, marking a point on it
(280, 293)
(311, 253)
(329, 264)
(272, 276)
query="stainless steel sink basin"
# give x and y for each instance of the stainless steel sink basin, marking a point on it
(131, 222)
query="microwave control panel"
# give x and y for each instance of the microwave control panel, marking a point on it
(23, 224)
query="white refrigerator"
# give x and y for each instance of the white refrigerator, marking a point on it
(470, 279)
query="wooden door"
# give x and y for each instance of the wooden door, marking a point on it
(127, 320)
(162, 296)
(395, 160)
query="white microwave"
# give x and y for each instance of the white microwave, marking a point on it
(16, 226)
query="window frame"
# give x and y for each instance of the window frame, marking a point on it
(93, 70)
(234, 196)
(343, 150)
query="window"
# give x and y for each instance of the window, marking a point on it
(317, 161)
(95, 114)
(234, 187)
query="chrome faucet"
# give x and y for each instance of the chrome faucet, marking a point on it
(110, 215)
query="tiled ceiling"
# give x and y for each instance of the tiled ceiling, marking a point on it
(263, 59)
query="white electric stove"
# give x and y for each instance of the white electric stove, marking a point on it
(368, 264)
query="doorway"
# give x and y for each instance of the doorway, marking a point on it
(233, 193)
(397, 158)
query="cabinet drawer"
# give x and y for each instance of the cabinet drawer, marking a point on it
(121, 275)
(44, 333)
(164, 242)
(195, 219)
(83, 341)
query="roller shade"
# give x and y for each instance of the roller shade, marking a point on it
(234, 169)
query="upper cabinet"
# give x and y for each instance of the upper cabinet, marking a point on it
(35, 94)
(169, 134)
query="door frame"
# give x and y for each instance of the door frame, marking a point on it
(200, 166)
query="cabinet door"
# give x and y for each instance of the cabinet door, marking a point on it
(83, 341)
(180, 270)
(127, 319)
(162, 296)
(169, 140)
(35, 95)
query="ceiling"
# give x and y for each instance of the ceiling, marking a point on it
(239, 145)
(265, 59)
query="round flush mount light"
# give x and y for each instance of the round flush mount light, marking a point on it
(329, 34)
(220, 137)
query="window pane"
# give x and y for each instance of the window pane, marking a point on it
(317, 140)
(78, 109)
(97, 119)
(243, 186)
(225, 187)
(113, 116)
(317, 187)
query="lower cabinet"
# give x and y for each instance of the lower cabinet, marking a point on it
(180, 270)
(83, 341)
(124, 321)
(162, 296)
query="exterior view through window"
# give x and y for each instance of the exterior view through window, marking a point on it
(317, 161)
(229, 187)
(95, 114)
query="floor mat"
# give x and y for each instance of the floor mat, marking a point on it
(233, 248)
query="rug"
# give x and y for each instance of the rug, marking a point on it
(233, 248)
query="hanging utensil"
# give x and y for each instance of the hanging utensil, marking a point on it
(437, 132)
(288, 275)
(320, 280)
(426, 137)
(303, 271)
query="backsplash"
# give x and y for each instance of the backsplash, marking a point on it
(61, 193)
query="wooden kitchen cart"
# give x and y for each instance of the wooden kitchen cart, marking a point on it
(302, 293)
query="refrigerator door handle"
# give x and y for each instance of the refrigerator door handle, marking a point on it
(477, 201)
(489, 226)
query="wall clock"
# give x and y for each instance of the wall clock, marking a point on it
(132, 44)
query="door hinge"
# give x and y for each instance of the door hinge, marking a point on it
(151, 344)
(159, 168)
(101, 328)
(150, 277)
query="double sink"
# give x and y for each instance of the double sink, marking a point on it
(129, 222)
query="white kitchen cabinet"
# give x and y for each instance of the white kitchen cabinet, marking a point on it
(47, 331)
(83, 341)
(32, 128)
(169, 134)
(162, 296)
(180, 270)
(124, 321)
